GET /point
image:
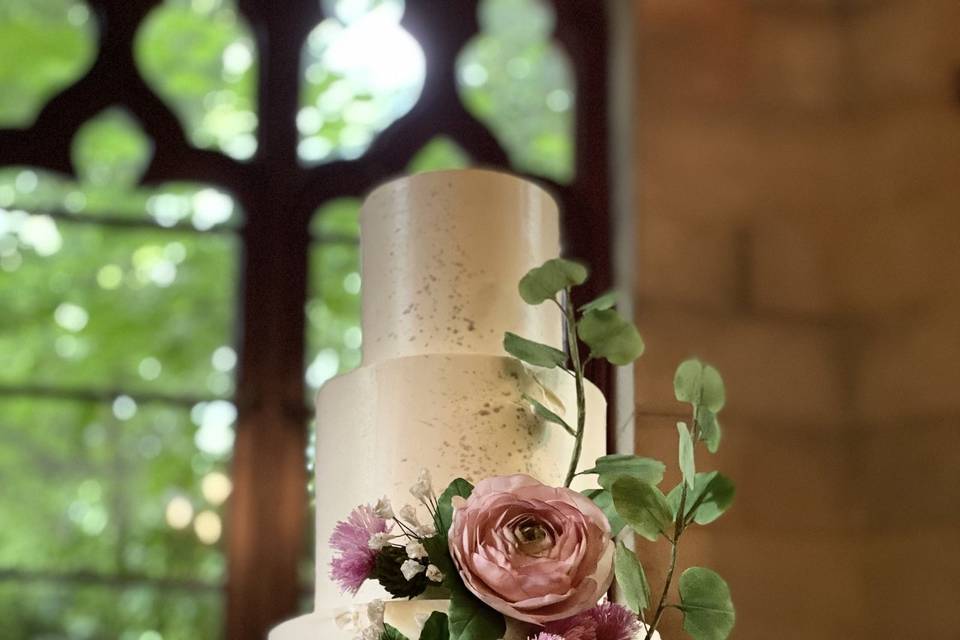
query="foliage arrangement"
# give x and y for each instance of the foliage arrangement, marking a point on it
(479, 541)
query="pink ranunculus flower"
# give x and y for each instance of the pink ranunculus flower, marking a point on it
(532, 552)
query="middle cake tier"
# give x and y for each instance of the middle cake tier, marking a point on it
(459, 415)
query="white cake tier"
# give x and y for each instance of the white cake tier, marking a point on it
(406, 616)
(457, 415)
(442, 254)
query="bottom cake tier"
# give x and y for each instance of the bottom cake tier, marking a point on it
(407, 616)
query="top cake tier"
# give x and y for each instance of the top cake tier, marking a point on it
(442, 254)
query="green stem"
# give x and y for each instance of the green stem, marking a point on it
(574, 348)
(680, 523)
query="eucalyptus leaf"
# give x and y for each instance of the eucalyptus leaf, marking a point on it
(605, 301)
(708, 612)
(548, 415)
(699, 384)
(458, 487)
(604, 499)
(391, 633)
(687, 464)
(710, 431)
(535, 353)
(642, 506)
(616, 465)
(631, 578)
(470, 619)
(609, 335)
(437, 627)
(544, 282)
(711, 496)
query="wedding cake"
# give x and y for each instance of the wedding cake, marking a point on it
(441, 255)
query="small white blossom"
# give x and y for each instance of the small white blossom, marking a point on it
(384, 509)
(410, 569)
(434, 574)
(426, 530)
(415, 550)
(379, 540)
(422, 490)
(409, 514)
(375, 612)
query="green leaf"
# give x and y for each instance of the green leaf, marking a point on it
(604, 499)
(541, 355)
(699, 384)
(642, 506)
(711, 496)
(609, 335)
(614, 466)
(548, 415)
(470, 619)
(606, 301)
(708, 612)
(631, 578)
(458, 487)
(687, 464)
(391, 633)
(544, 282)
(437, 627)
(710, 431)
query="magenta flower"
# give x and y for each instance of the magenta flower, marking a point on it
(350, 539)
(606, 621)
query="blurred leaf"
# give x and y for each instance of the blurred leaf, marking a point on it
(604, 499)
(458, 487)
(631, 578)
(548, 415)
(471, 619)
(391, 633)
(606, 301)
(699, 384)
(534, 353)
(546, 281)
(610, 336)
(710, 431)
(616, 465)
(642, 506)
(711, 496)
(687, 465)
(437, 627)
(708, 612)
(439, 154)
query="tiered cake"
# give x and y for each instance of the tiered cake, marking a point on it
(442, 254)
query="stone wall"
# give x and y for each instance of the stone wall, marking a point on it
(798, 225)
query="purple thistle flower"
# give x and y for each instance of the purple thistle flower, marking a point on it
(606, 621)
(350, 539)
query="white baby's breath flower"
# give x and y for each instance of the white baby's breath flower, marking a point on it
(427, 530)
(434, 574)
(415, 550)
(410, 569)
(408, 514)
(379, 540)
(384, 509)
(375, 612)
(422, 490)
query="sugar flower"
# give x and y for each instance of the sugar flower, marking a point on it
(434, 574)
(355, 560)
(426, 530)
(606, 621)
(532, 552)
(415, 550)
(422, 490)
(408, 514)
(384, 509)
(410, 569)
(379, 540)
(543, 635)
